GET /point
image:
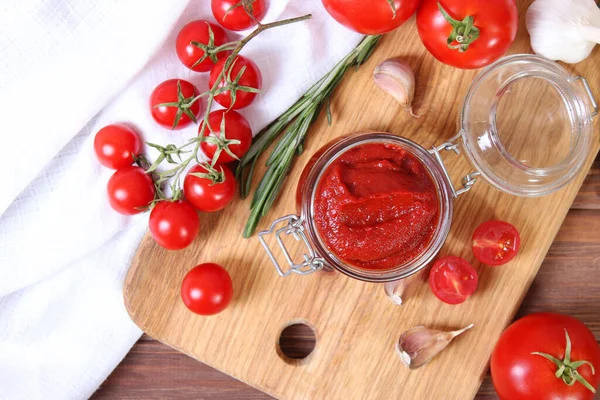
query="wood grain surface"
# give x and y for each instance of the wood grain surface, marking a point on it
(568, 282)
(356, 326)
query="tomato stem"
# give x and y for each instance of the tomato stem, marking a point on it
(464, 32)
(567, 369)
(393, 7)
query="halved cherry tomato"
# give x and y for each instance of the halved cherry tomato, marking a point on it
(196, 49)
(209, 189)
(243, 86)
(229, 135)
(172, 104)
(174, 224)
(207, 289)
(116, 145)
(453, 279)
(496, 242)
(130, 190)
(235, 14)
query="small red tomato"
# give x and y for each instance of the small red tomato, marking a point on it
(196, 49)
(242, 87)
(209, 189)
(130, 190)
(496, 242)
(229, 144)
(207, 289)
(172, 104)
(235, 15)
(453, 279)
(116, 145)
(371, 17)
(174, 224)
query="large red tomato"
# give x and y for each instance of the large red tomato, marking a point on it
(243, 79)
(229, 135)
(173, 103)
(531, 351)
(174, 224)
(116, 145)
(130, 190)
(371, 17)
(207, 289)
(472, 34)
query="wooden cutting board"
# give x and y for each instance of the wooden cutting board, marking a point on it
(356, 326)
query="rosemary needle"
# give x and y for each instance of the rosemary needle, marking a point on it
(294, 124)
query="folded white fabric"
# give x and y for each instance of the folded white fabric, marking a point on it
(67, 68)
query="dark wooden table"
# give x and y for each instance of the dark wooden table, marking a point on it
(568, 282)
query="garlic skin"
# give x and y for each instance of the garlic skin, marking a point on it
(417, 346)
(395, 77)
(564, 30)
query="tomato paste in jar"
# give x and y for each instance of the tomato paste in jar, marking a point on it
(376, 206)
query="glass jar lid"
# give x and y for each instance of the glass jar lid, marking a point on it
(526, 125)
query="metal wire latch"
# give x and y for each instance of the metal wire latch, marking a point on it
(467, 181)
(294, 226)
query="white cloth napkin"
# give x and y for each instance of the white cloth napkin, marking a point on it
(67, 68)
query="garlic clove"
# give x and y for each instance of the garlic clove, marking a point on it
(418, 345)
(398, 291)
(395, 77)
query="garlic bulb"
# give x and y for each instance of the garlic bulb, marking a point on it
(395, 77)
(564, 30)
(417, 346)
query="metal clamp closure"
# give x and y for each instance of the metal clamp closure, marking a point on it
(467, 181)
(294, 227)
(587, 88)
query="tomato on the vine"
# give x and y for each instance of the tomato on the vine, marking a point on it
(198, 45)
(174, 224)
(207, 289)
(237, 15)
(371, 17)
(209, 189)
(467, 33)
(496, 242)
(242, 80)
(130, 190)
(453, 279)
(546, 356)
(173, 103)
(116, 145)
(228, 138)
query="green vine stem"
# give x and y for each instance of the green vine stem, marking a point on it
(167, 152)
(295, 123)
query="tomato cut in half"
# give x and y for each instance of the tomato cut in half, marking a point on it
(496, 242)
(453, 279)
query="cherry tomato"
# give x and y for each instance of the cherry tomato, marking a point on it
(130, 190)
(496, 242)
(453, 279)
(195, 48)
(235, 14)
(234, 140)
(171, 104)
(242, 93)
(518, 374)
(174, 224)
(212, 191)
(207, 289)
(116, 145)
(371, 17)
(496, 25)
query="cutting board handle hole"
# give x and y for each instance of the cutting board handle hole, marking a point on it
(296, 342)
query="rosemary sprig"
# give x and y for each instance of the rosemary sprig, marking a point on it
(294, 123)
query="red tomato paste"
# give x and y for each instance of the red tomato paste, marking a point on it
(376, 206)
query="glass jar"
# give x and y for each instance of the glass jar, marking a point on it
(526, 127)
